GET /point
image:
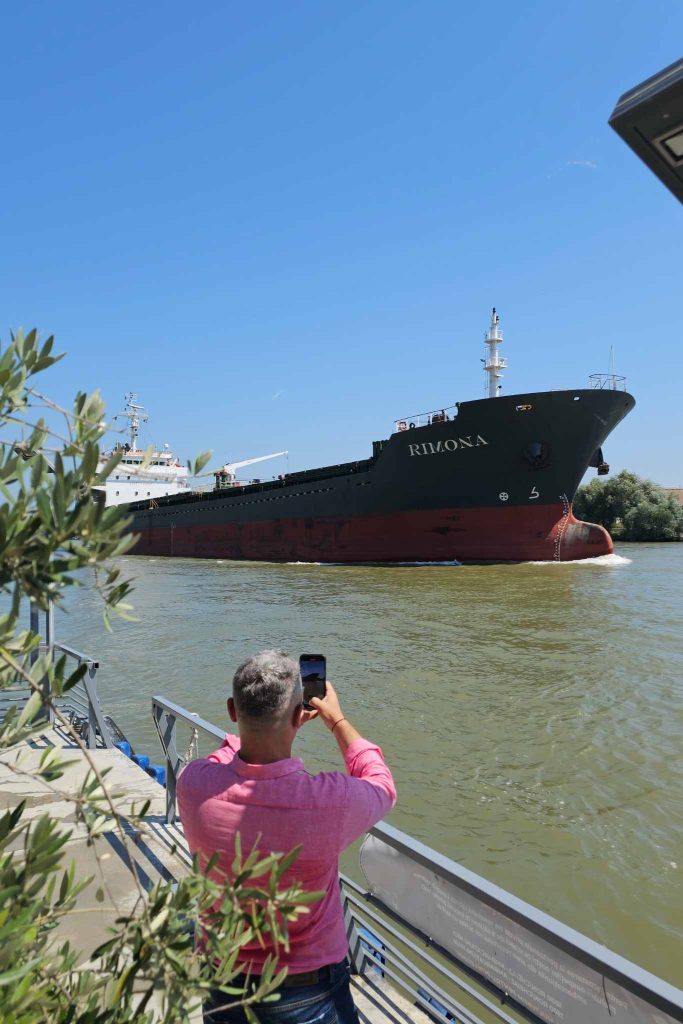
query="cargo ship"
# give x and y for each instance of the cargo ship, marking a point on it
(488, 480)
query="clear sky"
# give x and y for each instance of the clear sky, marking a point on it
(284, 223)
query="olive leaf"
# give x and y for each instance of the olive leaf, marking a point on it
(51, 533)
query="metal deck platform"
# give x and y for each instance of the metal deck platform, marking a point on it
(160, 854)
(429, 940)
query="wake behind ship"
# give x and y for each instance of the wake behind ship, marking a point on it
(486, 480)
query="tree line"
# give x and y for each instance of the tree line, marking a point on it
(630, 508)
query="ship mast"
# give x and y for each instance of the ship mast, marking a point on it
(136, 414)
(493, 364)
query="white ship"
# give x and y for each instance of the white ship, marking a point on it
(141, 475)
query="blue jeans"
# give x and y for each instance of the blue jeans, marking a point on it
(328, 1001)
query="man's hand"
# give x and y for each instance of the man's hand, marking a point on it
(307, 716)
(328, 706)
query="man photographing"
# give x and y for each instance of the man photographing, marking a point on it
(253, 785)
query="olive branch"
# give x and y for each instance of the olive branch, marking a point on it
(149, 967)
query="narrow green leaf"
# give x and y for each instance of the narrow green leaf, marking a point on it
(30, 709)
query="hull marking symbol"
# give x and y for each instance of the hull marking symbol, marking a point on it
(534, 494)
(503, 495)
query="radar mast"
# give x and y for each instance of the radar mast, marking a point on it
(136, 414)
(493, 364)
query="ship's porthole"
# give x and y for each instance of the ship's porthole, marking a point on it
(577, 398)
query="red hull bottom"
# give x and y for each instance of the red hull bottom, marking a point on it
(517, 534)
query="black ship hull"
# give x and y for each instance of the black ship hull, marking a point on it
(494, 482)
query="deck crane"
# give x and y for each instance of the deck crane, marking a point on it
(226, 476)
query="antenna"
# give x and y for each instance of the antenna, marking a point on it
(136, 414)
(493, 364)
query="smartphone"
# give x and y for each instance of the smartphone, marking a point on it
(313, 669)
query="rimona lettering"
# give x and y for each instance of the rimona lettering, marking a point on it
(451, 444)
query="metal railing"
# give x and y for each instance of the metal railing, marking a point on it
(81, 704)
(166, 714)
(456, 945)
(425, 419)
(607, 382)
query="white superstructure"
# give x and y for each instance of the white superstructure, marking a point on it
(141, 475)
(493, 364)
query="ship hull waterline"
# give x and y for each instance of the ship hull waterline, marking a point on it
(493, 484)
(546, 533)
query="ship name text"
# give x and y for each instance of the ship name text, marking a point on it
(451, 444)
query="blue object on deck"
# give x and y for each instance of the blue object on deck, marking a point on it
(142, 760)
(157, 772)
(125, 747)
(370, 950)
(439, 1007)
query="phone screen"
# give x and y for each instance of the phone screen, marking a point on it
(313, 670)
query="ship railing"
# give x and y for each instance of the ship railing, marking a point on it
(425, 419)
(447, 940)
(607, 382)
(81, 704)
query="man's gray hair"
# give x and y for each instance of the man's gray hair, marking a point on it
(267, 687)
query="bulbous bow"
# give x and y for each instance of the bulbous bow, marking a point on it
(576, 539)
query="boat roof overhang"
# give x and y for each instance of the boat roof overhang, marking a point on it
(649, 118)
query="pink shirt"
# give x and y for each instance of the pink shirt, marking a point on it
(221, 794)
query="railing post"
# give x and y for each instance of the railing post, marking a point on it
(166, 728)
(92, 731)
(49, 652)
(95, 717)
(356, 954)
(34, 626)
(45, 713)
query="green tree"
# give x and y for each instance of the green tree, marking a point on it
(630, 508)
(51, 531)
(654, 520)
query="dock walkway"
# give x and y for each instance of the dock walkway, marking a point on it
(160, 853)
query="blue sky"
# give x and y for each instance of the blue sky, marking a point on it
(284, 223)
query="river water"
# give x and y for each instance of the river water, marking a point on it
(532, 714)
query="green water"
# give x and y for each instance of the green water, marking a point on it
(532, 714)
